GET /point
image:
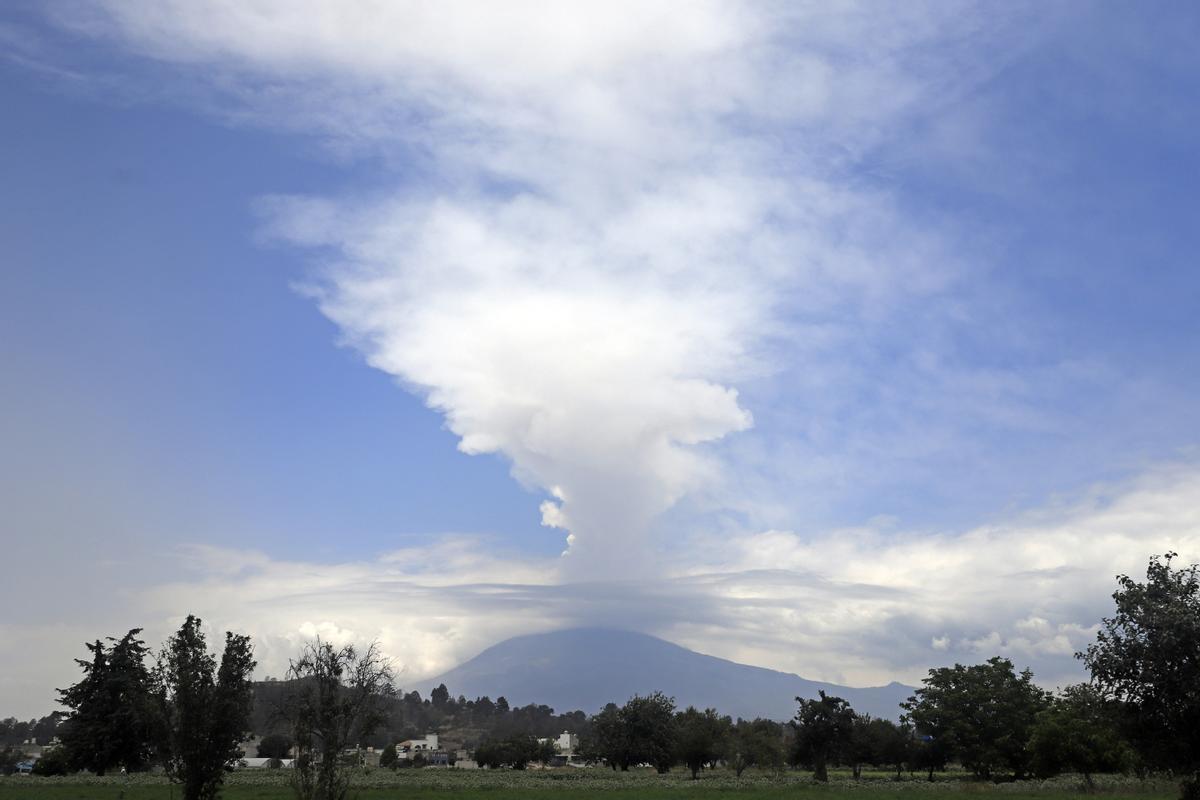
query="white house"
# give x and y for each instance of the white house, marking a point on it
(409, 747)
(567, 743)
(566, 747)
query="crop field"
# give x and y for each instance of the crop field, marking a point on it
(589, 784)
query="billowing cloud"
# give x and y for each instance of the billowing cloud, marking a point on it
(623, 211)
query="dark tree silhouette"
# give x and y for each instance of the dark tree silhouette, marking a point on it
(824, 728)
(1147, 657)
(205, 705)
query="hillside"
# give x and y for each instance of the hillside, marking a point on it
(584, 668)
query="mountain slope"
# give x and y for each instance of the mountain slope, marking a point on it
(585, 668)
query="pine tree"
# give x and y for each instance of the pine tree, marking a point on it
(112, 723)
(205, 707)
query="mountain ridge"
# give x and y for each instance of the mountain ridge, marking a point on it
(585, 668)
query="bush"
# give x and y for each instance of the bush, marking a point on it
(52, 762)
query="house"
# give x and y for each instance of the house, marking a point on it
(566, 747)
(567, 743)
(410, 747)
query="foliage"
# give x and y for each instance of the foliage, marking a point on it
(336, 701)
(205, 707)
(755, 743)
(113, 720)
(389, 757)
(607, 741)
(700, 738)
(275, 745)
(824, 728)
(9, 758)
(1147, 657)
(1078, 733)
(41, 731)
(53, 762)
(640, 732)
(982, 714)
(516, 752)
(649, 725)
(877, 742)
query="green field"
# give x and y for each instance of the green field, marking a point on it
(588, 784)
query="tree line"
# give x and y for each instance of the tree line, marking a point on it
(1139, 712)
(186, 709)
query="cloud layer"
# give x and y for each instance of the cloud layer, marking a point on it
(862, 606)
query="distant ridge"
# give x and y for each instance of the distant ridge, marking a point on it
(584, 668)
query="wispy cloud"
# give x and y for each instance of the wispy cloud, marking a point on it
(862, 606)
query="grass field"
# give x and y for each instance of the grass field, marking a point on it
(589, 784)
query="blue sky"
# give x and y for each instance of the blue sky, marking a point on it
(143, 304)
(306, 314)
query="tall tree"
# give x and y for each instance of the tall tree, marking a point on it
(757, 743)
(875, 742)
(1079, 732)
(981, 714)
(338, 698)
(206, 707)
(112, 721)
(275, 745)
(608, 741)
(1147, 656)
(649, 724)
(824, 728)
(700, 737)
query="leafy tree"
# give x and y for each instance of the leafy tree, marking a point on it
(113, 715)
(338, 699)
(928, 752)
(53, 762)
(1147, 657)
(206, 706)
(824, 728)
(389, 757)
(861, 747)
(9, 758)
(275, 745)
(982, 714)
(649, 725)
(608, 741)
(896, 746)
(516, 752)
(484, 707)
(700, 737)
(440, 696)
(1078, 732)
(757, 743)
(11, 729)
(875, 742)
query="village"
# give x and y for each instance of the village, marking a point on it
(428, 751)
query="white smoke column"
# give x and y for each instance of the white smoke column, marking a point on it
(547, 341)
(586, 319)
